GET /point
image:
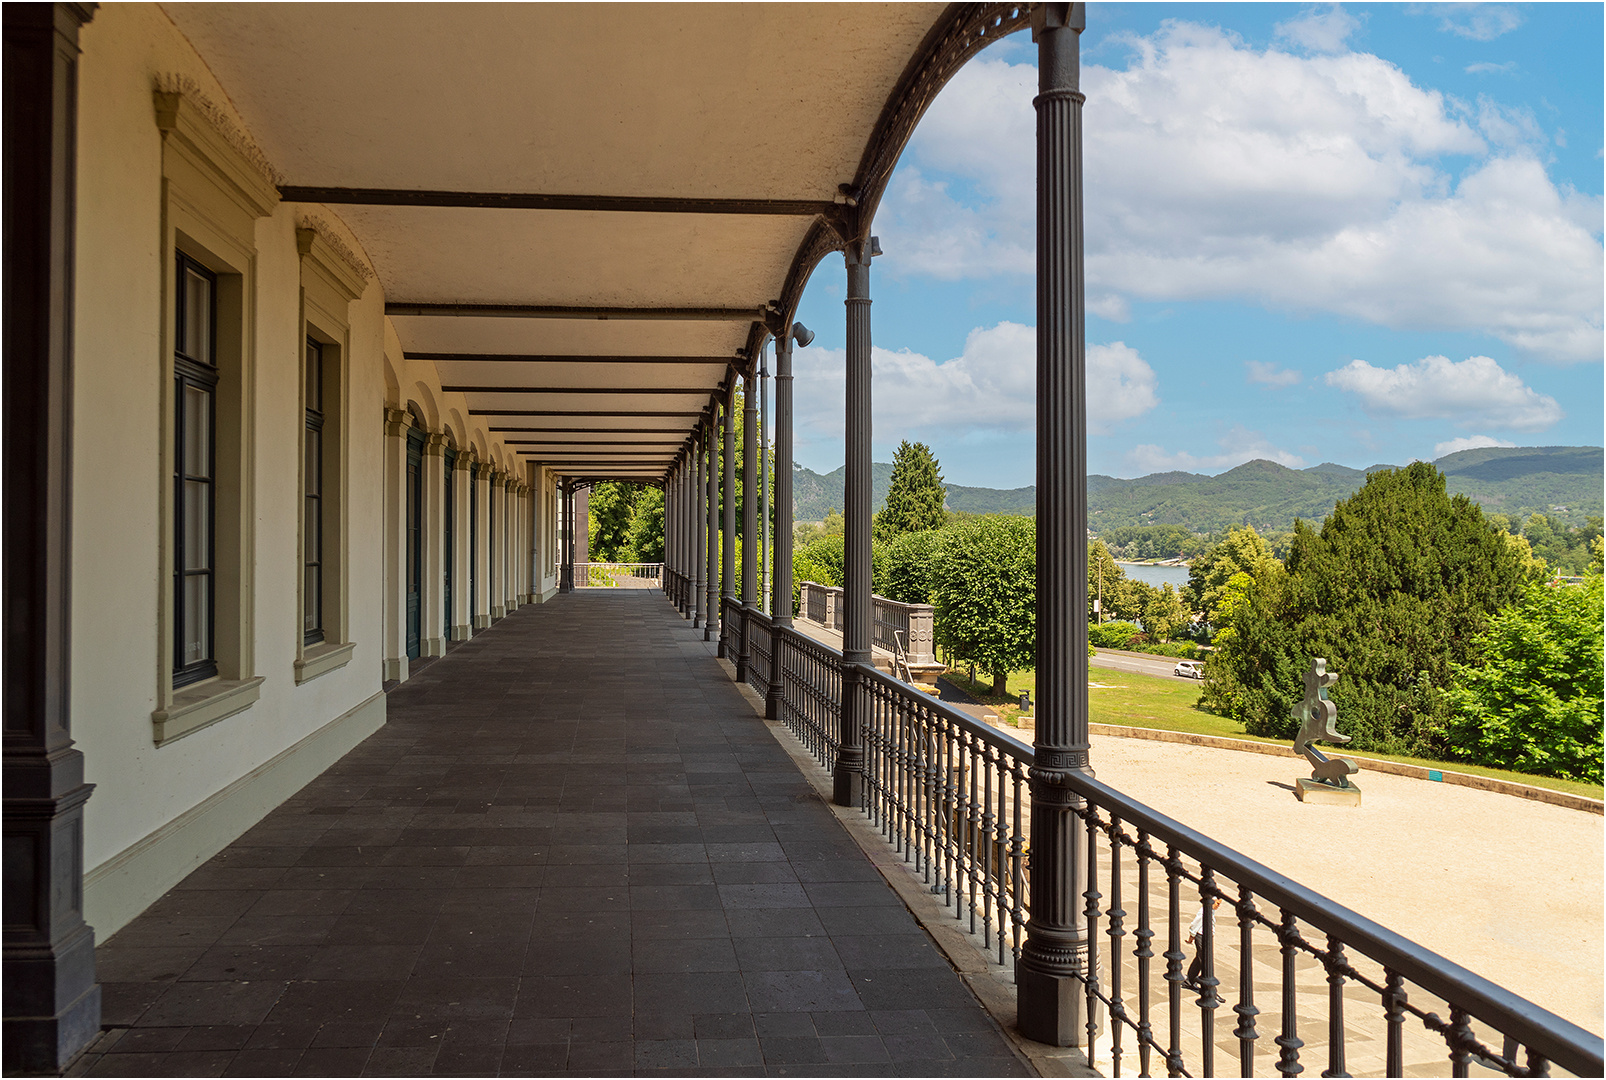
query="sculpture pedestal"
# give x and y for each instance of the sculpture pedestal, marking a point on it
(1314, 791)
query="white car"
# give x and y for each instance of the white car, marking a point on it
(1189, 669)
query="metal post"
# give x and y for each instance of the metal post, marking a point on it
(749, 514)
(699, 533)
(727, 549)
(1055, 955)
(781, 594)
(52, 1001)
(566, 575)
(711, 529)
(763, 485)
(848, 777)
(669, 532)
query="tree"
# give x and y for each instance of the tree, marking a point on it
(916, 495)
(644, 535)
(1391, 591)
(984, 589)
(908, 566)
(1531, 698)
(1165, 614)
(1242, 550)
(610, 508)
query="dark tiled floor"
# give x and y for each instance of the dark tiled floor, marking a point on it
(573, 848)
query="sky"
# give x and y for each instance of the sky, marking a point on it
(1351, 233)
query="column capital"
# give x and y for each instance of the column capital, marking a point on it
(435, 444)
(397, 421)
(464, 462)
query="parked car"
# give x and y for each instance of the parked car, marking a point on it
(1189, 669)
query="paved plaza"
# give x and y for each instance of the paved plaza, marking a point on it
(574, 847)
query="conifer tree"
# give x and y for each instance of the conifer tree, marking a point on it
(916, 495)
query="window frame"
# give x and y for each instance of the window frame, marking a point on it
(312, 517)
(202, 374)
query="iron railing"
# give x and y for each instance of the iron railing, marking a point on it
(894, 627)
(952, 795)
(617, 575)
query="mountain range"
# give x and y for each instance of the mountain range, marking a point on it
(1515, 481)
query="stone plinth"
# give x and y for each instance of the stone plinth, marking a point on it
(1314, 791)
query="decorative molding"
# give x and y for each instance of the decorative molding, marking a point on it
(316, 240)
(397, 421)
(200, 706)
(220, 145)
(323, 658)
(435, 444)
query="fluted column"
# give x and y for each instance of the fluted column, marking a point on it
(711, 529)
(764, 570)
(566, 573)
(781, 592)
(727, 547)
(750, 451)
(698, 524)
(52, 1001)
(1056, 951)
(848, 776)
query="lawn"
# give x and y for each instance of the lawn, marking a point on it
(1150, 701)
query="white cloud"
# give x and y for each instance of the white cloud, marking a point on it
(992, 386)
(1237, 446)
(1474, 391)
(1486, 67)
(1320, 31)
(1263, 371)
(1480, 22)
(1306, 183)
(1471, 442)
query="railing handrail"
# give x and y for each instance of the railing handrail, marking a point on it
(1557, 1038)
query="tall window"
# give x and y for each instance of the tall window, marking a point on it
(194, 472)
(312, 514)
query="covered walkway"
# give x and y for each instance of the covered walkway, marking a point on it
(573, 847)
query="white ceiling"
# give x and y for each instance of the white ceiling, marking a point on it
(693, 101)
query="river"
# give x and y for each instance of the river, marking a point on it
(1175, 576)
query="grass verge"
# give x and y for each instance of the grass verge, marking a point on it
(1133, 700)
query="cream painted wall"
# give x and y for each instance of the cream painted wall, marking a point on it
(120, 385)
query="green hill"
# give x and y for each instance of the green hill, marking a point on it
(1515, 481)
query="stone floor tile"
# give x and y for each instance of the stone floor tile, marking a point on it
(801, 991)
(264, 1063)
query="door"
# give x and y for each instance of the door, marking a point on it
(415, 540)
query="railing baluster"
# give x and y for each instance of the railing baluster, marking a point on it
(1144, 853)
(1459, 1037)
(1334, 960)
(1289, 1042)
(1246, 985)
(989, 853)
(1208, 999)
(1394, 1019)
(1173, 962)
(1017, 860)
(1117, 930)
(1090, 911)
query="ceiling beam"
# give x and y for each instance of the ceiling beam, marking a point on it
(598, 413)
(539, 311)
(505, 200)
(591, 430)
(467, 388)
(522, 358)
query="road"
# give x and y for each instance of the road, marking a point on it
(1142, 665)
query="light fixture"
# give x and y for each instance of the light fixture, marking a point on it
(802, 334)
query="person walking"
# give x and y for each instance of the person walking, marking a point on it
(1195, 934)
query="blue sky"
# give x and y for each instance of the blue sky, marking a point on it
(1353, 233)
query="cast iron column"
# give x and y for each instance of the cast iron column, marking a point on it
(727, 548)
(750, 450)
(699, 531)
(711, 526)
(52, 1002)
(781, 592)
(566, 572)
(764, 570)
(1050, 995)
(669, 527)
(848, 776)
